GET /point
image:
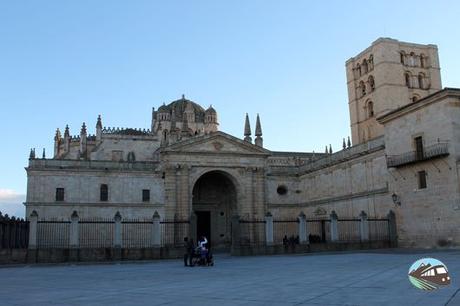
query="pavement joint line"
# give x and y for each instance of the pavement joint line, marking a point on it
(348, 285)
(452, 297)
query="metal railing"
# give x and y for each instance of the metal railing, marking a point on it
(252, 232)
(14, 233)
(429, 152)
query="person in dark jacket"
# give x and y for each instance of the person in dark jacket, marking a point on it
(189, 251)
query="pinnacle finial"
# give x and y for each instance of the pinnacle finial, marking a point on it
(183, 97)
(66, 132)
(247, 129)
(330, 149)
(57, 136)
(247, 126)
(258, 127)
(43, 154)
(83, 129)
(326, 151)
(349, 142)
(344, 146)
(99, 122)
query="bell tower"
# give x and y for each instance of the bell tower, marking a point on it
(385, 76)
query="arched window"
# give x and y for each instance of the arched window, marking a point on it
(370, 109)
(365, 66)
(104, 193)
(371, 62)
(358, 68)
(402, 57)
(407, 78)
(422, 61)
(412, 59)
(371, 83)
(421, 78)
(362, 88)
(414, 98)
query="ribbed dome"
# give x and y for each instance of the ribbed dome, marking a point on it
(163, 109)
(179, 106)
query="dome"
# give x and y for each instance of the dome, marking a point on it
(179, 106)
(163, 109)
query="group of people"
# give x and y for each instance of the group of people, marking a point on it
(200, 251)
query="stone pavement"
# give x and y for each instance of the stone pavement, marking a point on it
(363, 278)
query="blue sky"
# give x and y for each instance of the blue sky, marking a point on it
(65, 62)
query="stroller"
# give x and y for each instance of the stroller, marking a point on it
(202, 257)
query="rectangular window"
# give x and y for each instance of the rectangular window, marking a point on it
(145, 195)
(104, 194)
(59, 194)
(422, 179)
(418, 148)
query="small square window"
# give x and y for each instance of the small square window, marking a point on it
(422, 179)
(59, 194)
(145, 195)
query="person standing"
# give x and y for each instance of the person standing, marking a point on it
(189, 250)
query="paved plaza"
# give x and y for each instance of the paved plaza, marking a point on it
(363, 278)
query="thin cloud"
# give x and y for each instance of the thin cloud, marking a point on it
(11, 203)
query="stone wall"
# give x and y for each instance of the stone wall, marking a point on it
(426, 217)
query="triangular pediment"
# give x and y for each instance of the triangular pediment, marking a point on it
(217, 142)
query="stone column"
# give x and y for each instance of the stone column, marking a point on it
(74, 234)
(156, 230)
(259, 191)
(392, 233)
(193, 227)
(269, 229)
(170, 191)
(183, 201)
(303, 236)
(117, 238)
(33, 219)
(363, 226)
(235, 231)
(334, 231)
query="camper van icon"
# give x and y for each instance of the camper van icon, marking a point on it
(429, 274)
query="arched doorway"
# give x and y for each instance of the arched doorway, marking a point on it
(213, 204)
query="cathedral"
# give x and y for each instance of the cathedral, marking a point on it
(402, 157)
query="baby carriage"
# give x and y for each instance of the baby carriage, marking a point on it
(202, 257)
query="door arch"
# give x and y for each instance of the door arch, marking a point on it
(214, 202)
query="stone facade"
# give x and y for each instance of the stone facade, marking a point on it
(387, 75)
(184, 168)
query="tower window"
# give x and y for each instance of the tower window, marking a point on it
(59, 194)
(371, 83)
(104, 193)
(365, 66)
(422, 61)
(407, 78)
(362, 87)
(421, 77)
(370, 109)
(145, 195)
(402, 56)
(412, 59)
(422, 179)
(358, 68)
